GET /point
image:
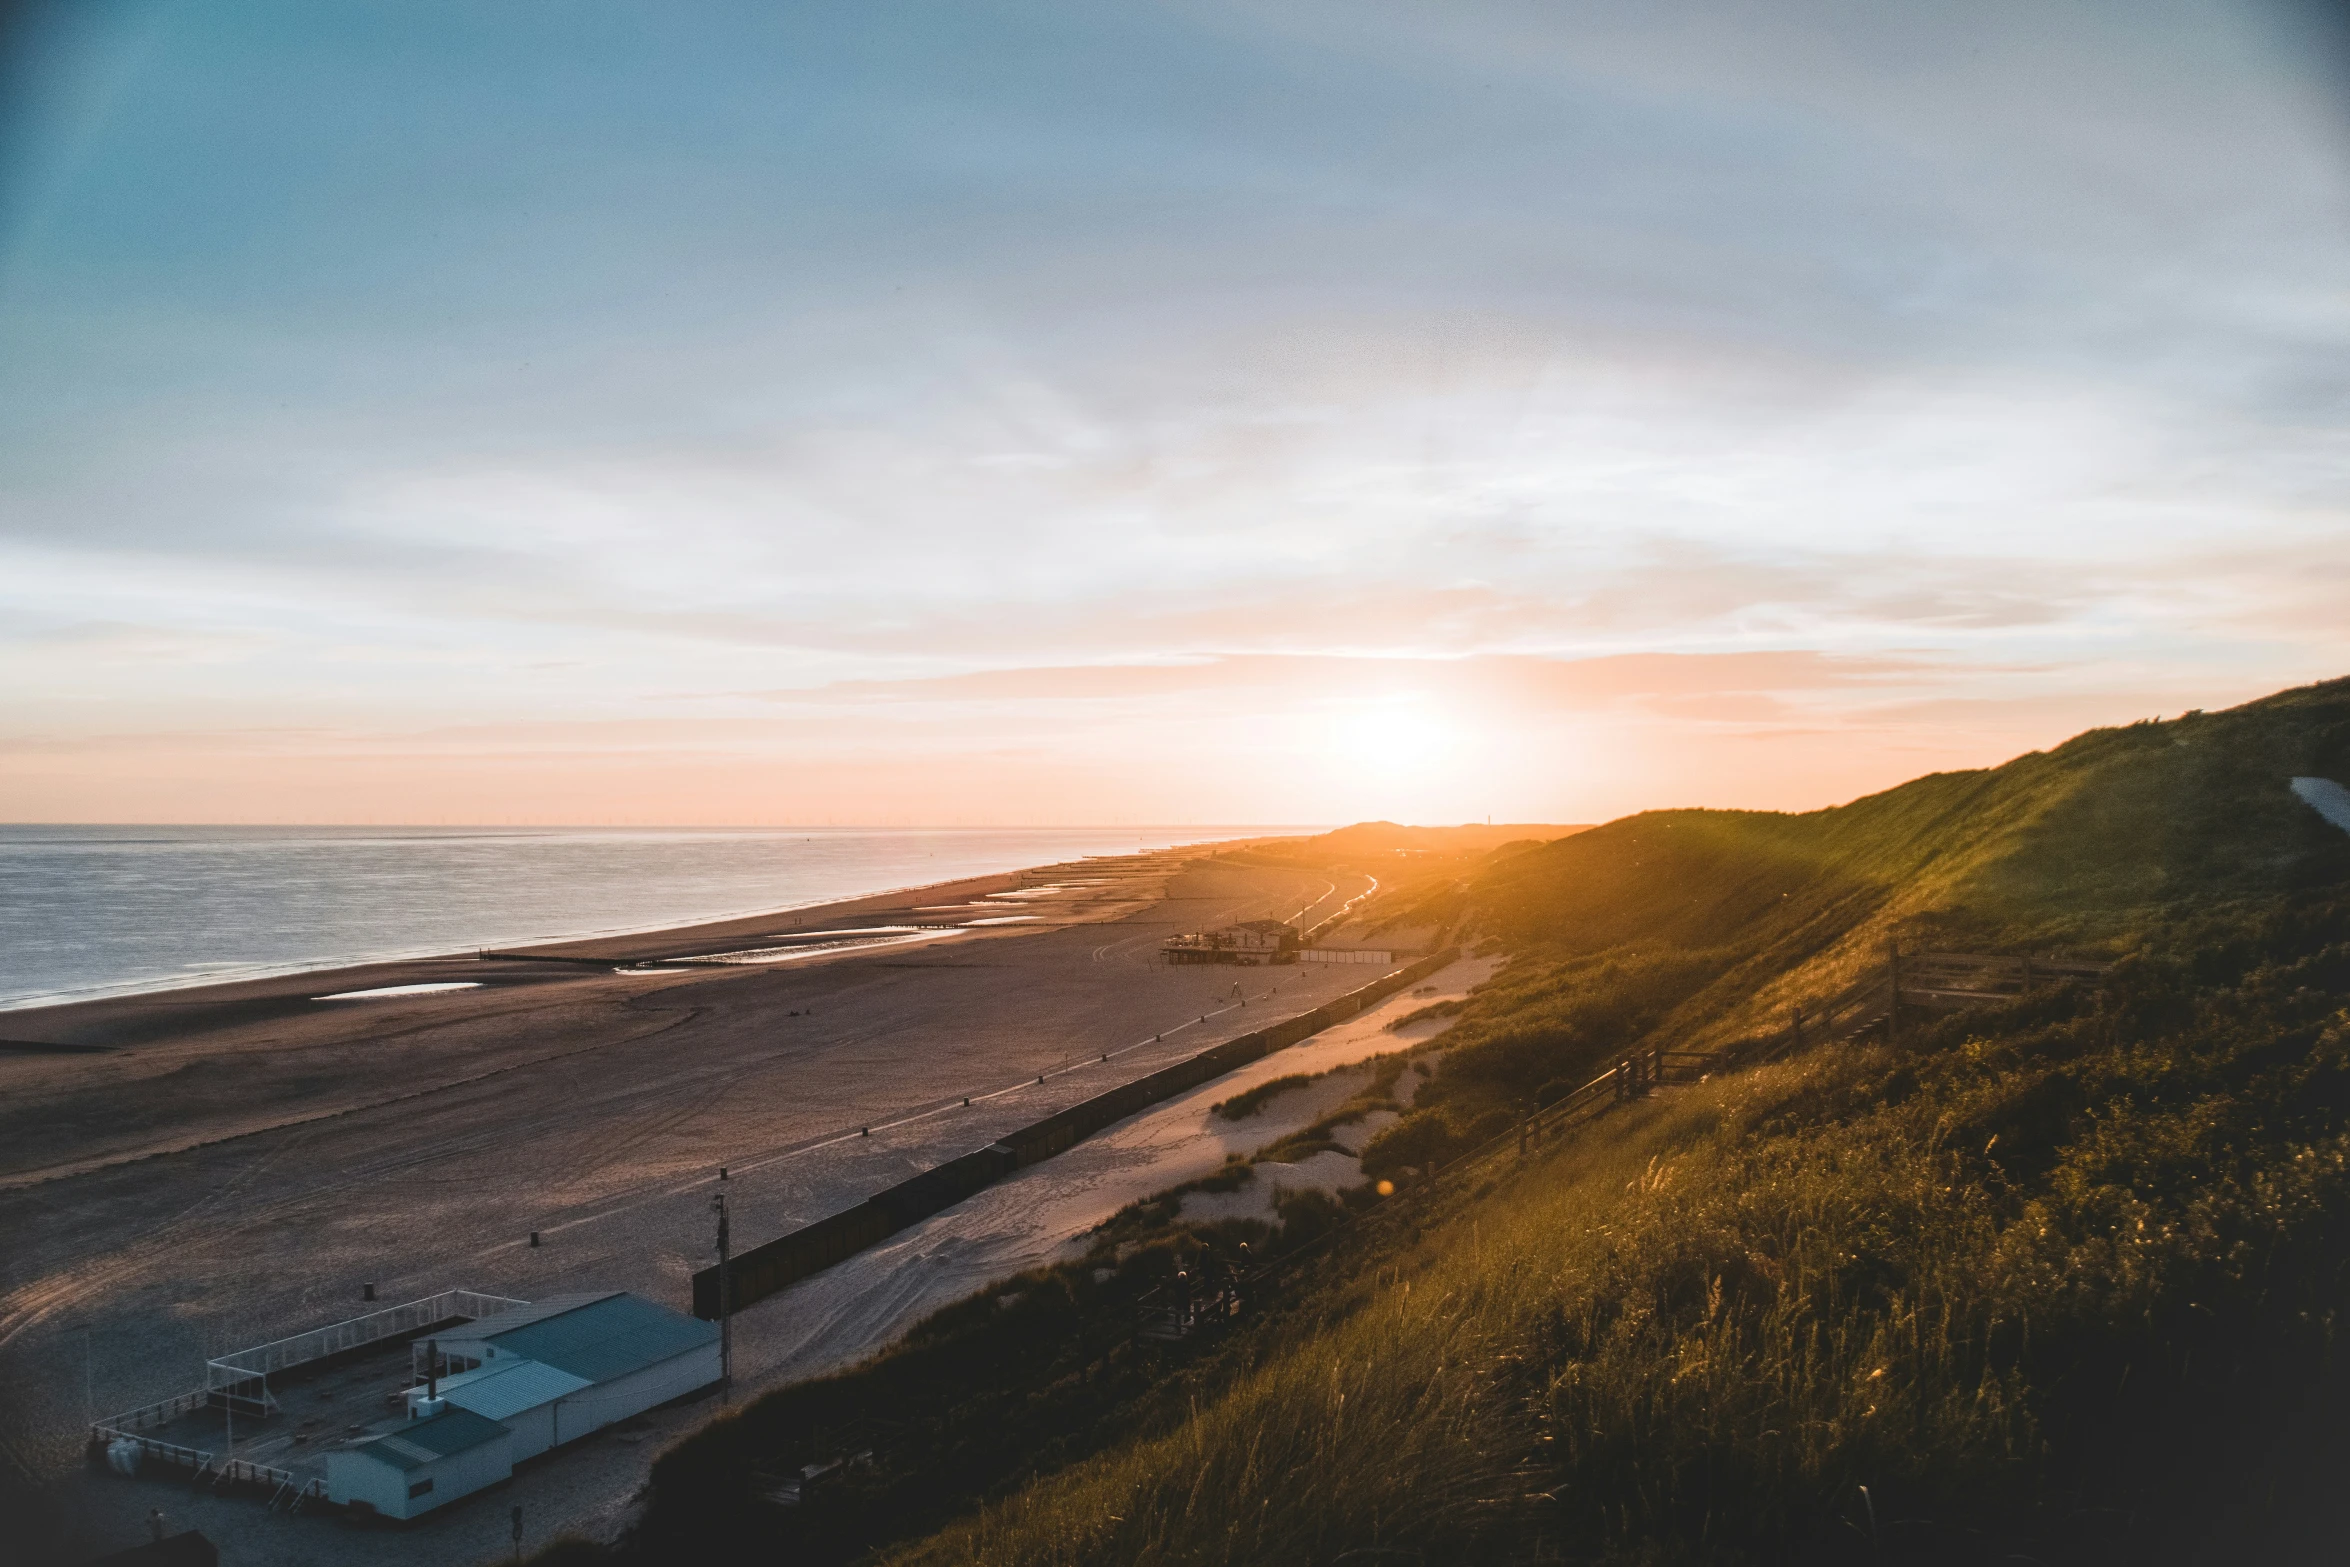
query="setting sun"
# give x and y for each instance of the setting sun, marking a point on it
(1396, 743)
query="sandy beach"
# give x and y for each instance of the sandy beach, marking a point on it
(213, 1168)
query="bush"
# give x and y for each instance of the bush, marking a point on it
(1429, 1139)
(1248, 1101)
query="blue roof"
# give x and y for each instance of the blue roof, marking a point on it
(505, 1388)
(435, 1437)
(603, 1337)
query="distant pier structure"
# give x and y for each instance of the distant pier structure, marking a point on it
(1252, 942)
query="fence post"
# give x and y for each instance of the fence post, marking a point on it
(1893, 1001)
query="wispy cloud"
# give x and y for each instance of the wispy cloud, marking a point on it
(1613, 386)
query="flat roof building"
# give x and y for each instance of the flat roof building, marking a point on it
(508, 1387)
(427, 1463)
(557, 1370)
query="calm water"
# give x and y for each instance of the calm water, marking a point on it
(102, 910)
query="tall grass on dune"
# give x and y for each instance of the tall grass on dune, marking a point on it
(2066, 1262)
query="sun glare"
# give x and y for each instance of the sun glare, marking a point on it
(1396, 744)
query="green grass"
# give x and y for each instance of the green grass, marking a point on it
(1698, 928)
(2076, 1255)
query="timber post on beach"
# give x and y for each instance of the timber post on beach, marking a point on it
(725, 1303)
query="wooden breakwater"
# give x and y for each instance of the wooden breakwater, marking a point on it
(789, 1258)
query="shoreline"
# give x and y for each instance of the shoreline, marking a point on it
(235, 1163)
(699, 928)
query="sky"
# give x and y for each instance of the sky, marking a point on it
(1183, 412)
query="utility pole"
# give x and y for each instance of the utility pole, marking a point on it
(725, 1303)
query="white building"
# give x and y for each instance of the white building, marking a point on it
(427, 1463)
(523, 1381)
(555, 1371)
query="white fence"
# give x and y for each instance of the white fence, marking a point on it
(1380, 955)
(229, 1381)
(134, 1425)
(286, 1488)
(232, 1373)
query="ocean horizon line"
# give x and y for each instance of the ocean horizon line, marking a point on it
(100, 911)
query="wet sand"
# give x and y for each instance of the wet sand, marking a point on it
(237, 1162)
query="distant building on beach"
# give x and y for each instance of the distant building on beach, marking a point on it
(1256, 941)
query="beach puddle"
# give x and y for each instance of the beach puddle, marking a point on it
(817, 943)
(386, 992)
(1057, 889)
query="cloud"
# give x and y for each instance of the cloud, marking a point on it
(1708, 686)
(1607, 381)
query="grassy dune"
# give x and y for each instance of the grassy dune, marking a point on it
(1697, 928)
(2055, 1280)
(2034, 1279)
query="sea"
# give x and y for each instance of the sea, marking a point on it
(98, 911)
